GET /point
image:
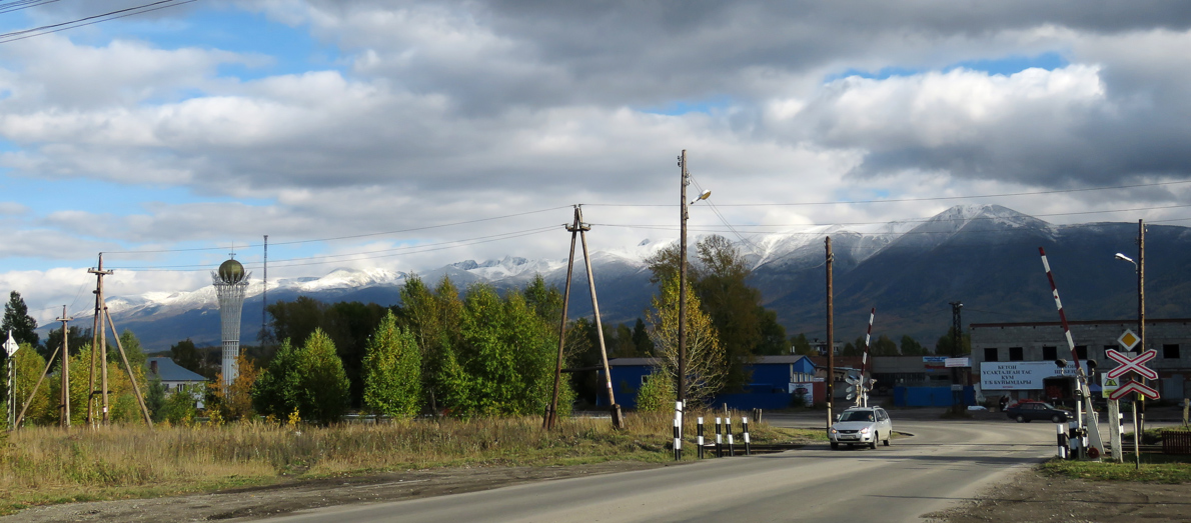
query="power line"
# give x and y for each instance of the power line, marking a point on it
(367, 255)
(350, 237)
(95, 19)
(732, 228)
(896, 200)
(22, 4)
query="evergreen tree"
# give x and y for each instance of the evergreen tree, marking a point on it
(802, 346)
(155, 399)
(187, 356)
(275, 390)
(884, 347)
(18, 320)
(393, 371)
(641, 339)
(322, 389)
(76, 340)
(944, 346)
(911, 347)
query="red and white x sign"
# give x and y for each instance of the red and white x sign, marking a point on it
(1133, 386)
(1128, 364)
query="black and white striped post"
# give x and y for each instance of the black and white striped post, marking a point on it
(728, 429)
(719, 438)
(748, 449)
(699, 436)
(1062, 440)
(677, 442)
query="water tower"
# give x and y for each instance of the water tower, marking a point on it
(230, 284)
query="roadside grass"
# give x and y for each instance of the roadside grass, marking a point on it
(44, 465)
(1155, 468)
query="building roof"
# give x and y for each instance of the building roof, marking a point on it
(1132, 321)
(167, 370)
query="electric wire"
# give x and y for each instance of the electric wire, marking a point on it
(349, 237)
(366, 255)
(90, 20)
(898, 200)
(732, 228)
(9, 7)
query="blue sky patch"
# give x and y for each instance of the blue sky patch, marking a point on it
(1003, 66)
(678, 108)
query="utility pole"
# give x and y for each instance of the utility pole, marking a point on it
(830, 337)
(956, 341)
(1141, 309)
(100, 346)
(64, 407)
(552, 412)
(617, 419)
(681, 399)
(265, 294)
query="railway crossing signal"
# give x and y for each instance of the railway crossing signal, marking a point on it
(1133, 386)
(1132, 364)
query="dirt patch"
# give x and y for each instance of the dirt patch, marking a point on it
(1033, 497)
(257, 502)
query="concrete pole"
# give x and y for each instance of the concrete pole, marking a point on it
(830, 338)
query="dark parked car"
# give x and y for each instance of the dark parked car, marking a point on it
(1035, 410)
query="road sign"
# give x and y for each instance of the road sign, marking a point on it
(1134, 386)
(1132, 364)
(1108, 385)
(10, 345)
(1128, 339)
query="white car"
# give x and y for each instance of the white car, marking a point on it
(861, 425)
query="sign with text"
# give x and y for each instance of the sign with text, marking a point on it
(958, 362)
(934, 362)
(1021, 375)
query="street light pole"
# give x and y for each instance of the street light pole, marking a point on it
(681, 397)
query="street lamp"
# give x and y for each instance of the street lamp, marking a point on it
(680, 403)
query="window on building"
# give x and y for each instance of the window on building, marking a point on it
(1050, 353)
(1016, 354)
(167, 386)
(1081, 351)
(990, 354)
(1170, 351)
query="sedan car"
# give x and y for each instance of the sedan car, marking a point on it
(861, 426)
(1026, 412)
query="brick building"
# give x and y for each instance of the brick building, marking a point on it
(1044, 341)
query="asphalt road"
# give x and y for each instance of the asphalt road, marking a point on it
(942, 463)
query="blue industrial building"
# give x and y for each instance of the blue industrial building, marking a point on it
(769, 386)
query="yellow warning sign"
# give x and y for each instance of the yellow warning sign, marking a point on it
(1128, 339)
(1108, 385)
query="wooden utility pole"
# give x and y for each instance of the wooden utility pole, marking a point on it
(136, 389)
(617, 419)
(64, 407)
(682, 290)
(830, 338)
(552, 411)
(99, 346)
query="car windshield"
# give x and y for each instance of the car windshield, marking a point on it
(857, 415)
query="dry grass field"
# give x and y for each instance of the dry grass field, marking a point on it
(44, 465)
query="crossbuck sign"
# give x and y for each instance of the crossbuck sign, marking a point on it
(1128, 364)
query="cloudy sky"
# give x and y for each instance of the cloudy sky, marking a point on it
(406, 135)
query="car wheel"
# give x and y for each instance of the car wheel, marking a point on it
(834, 446)
(1057, 418)
(887, 438)
(1020, 418)
(873, 444)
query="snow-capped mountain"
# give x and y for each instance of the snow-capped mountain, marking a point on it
(983, 255)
